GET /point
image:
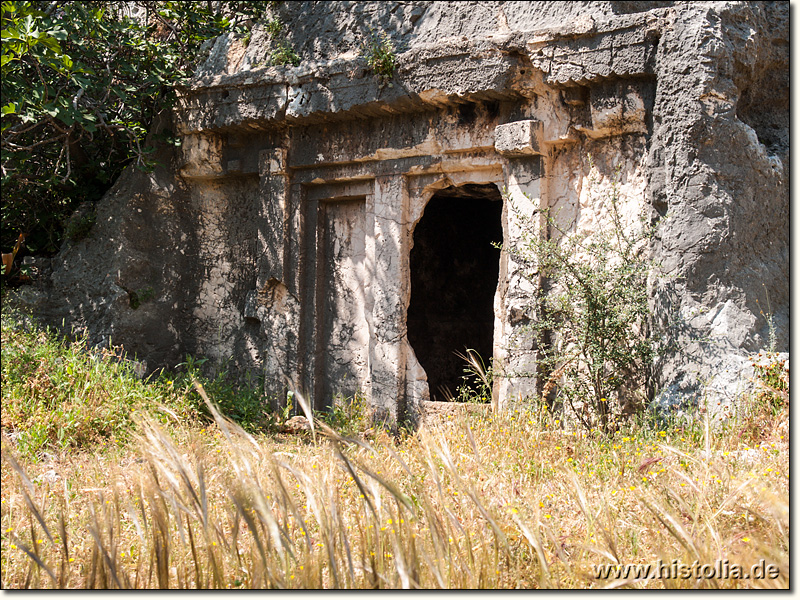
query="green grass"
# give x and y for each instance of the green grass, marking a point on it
(60, 395)
(499, 501)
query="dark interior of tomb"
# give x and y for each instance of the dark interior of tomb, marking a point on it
(454, 272)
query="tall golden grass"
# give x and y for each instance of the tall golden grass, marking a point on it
(503, 501)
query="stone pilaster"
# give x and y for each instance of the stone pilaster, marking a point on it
(389, 295)
(520, 143)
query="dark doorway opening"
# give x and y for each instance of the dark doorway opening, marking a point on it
(454, 270)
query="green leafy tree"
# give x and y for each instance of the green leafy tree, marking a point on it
(590, 316)
(82, 83)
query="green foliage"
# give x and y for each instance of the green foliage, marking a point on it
(288, 408)
(246, 38)
(140, 296)
(82, 84)
(244, 404)
(60, 395)
(589, 317)
(478, 379)
(273, 27)
(79, 226)
(349, 416)
(380, 54)
(284, 54)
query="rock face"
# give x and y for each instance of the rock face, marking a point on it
(280, 236)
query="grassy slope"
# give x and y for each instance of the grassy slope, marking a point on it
(501, 501)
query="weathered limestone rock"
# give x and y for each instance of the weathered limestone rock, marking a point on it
(297, 425)
(519, 138)
(279, 237)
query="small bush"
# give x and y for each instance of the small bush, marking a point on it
(380, 54)
(273, 27)
(80, 224)
(244, 404)
(140, 296)
(349, 415)
(478, 379)
(284, 54)
(589, 316)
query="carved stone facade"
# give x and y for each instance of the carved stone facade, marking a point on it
(281, 234)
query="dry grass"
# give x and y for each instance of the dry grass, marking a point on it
(470, 502)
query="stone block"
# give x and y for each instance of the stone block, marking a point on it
(616, 108)
(520, 138)
(272, 162)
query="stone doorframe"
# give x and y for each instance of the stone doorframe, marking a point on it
(394, 195)
(419, 188)
(393, 190)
